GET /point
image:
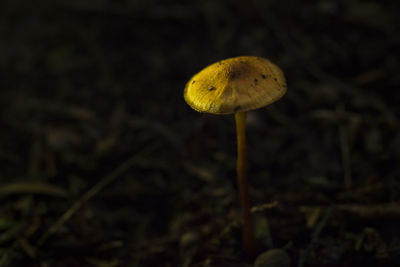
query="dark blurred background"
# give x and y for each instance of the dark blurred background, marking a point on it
(102, 163)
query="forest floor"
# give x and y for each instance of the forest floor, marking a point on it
(103, 164)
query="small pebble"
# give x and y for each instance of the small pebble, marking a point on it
(273, 258)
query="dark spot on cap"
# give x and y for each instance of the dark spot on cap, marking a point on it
(236, 108)
(275, 79)
(264, 76)
(234, 74)
(212, 88)
(193, 81)
(255, 80)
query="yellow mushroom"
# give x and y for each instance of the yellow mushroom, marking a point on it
(235, 86)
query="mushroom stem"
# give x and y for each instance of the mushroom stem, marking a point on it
(249, 242)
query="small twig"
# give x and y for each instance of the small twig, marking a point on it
(369, 212)
(383, 211)
(265, 206)
(87, 196)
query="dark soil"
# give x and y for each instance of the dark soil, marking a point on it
(103, 164)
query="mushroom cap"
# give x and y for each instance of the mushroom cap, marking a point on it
(235, 85)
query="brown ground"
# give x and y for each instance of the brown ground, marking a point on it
(103, 164)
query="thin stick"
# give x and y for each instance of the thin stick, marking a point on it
(249, 242)
(121, 169)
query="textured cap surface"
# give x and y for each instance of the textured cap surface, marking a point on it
(235, 85)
